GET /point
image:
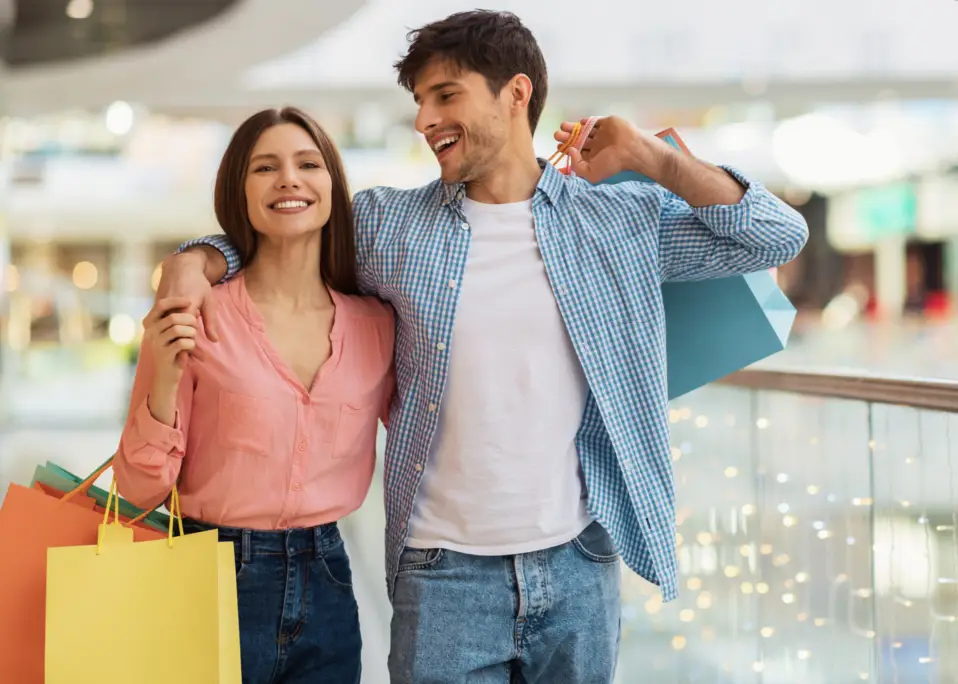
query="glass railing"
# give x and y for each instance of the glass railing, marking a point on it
(817, 537)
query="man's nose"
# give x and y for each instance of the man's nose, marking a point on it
(427, 119)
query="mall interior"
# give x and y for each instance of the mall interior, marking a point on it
(816, 491)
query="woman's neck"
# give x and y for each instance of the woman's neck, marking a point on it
(287, 274)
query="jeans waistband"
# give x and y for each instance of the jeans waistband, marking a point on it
(317, 540)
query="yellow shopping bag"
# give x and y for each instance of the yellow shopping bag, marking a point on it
(153, 612)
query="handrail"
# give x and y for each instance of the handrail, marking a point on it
(936, 395)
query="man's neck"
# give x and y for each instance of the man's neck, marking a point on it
(514, 179)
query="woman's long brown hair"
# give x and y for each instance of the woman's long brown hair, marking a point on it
(337, 264)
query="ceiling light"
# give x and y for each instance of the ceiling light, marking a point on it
(79, 9)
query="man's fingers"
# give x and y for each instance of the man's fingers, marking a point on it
(568, 126)
(208, 313)
(581, 167)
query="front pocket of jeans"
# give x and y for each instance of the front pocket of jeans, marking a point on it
(336, 562)
(244, 423)
(419, 559)
(596, 545)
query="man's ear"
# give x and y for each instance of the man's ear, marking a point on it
(520, 92)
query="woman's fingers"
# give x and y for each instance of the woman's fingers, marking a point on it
(182, 344)
(163, 307)
(176, 332)
(176, 319)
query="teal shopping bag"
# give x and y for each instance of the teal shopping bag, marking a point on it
(716, 327)
(63, 480)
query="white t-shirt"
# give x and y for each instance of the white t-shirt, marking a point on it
(503, 474)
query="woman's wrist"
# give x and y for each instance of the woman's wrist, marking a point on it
(162, 403)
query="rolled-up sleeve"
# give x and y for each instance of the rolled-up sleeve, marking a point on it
(224, 246)
(759, 232)
(150, 453)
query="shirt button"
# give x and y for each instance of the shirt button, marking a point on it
(465, 226)
(296, 487)
(452, 284)
(441, 346)
(432, 408)
(419, 467)
(302, 445)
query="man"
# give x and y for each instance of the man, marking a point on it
(528, 444)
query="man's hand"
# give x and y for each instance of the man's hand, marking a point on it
(614, 145)
(184, 278)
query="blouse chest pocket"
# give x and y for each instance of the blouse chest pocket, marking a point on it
(244, 423)
(355, 431)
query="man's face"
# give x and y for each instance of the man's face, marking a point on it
(465, 124)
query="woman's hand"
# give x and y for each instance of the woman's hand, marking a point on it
(171, 334)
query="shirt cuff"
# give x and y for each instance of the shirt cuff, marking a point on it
(222, 244)
(158, 435)
(731, 219)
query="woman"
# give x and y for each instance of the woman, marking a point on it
(270, 433)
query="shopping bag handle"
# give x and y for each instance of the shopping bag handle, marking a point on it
(84, 487)
(113, 501)
(563, 150)
(176, 513)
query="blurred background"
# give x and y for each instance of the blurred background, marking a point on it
(817, 536)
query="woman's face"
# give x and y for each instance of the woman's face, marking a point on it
(288, 188)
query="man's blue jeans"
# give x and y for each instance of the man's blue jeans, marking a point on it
(547, 617)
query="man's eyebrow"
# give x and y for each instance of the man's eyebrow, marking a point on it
(434, 88)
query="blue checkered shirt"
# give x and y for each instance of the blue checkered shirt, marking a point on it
(607, 249)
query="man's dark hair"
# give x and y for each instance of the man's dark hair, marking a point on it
(493, 44)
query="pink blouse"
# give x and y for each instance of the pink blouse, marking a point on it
(251, 446)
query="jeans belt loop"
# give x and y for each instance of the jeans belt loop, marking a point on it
(318, 541)
(245, 552)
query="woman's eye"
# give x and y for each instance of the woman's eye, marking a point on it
(261, 169)
(311, 165)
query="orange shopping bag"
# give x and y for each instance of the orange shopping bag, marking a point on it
(80, 499)
(30, 523)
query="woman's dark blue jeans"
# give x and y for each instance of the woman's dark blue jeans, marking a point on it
(299, 622)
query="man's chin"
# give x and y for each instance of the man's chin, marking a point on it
(451, 177)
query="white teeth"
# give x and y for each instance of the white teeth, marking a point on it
(438, 145)
(291, 204)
